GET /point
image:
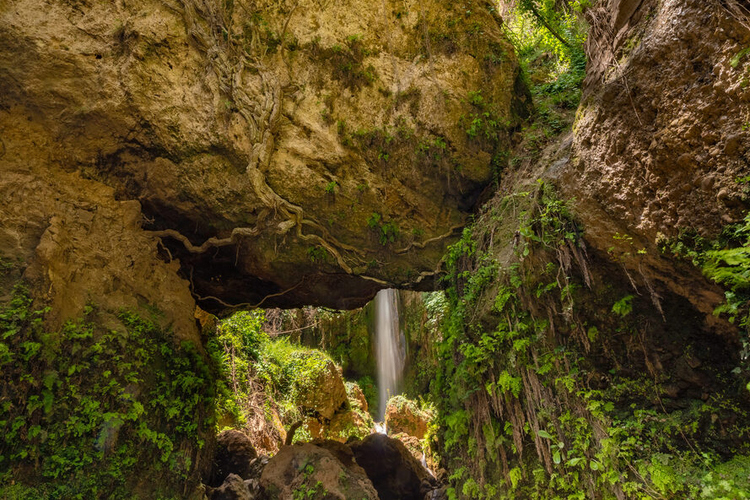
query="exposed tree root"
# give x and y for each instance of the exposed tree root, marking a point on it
(209, 27)
(209, 243)
(415, 244)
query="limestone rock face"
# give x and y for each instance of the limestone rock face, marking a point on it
(403, 415)
(328, 149)
(661, 136)
(311, 471)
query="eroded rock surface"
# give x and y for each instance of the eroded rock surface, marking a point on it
(308, 471)
(324, 147)
(403, 415)
(661, 136)
(394, 472)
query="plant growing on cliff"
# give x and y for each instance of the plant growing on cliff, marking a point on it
(726, 260)
(524, 338)
(387, 232)
(84, 407)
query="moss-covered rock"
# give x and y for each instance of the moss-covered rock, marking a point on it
(122, 410)
(316, 384)
(404, 415)
(555, 378)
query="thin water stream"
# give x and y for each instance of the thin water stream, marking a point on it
(390, 348)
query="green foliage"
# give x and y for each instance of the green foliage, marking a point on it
(483, 123)
(518, 414)
(285, 371)
(624, 306)
(370, 390)
(550, 25)
(307, 489)
(88, 409)
(553, 67)
(726, 260)
(317, 254)
(735, 61)
(387, 232)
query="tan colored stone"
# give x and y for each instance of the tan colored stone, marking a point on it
(306, 469)
(155, 106)
(404, 415)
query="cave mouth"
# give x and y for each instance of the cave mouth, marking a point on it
(348, 382)
(229, 270)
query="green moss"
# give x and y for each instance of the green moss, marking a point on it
(537, 396)
(86, 411)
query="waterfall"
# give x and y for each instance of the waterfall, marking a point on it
(390, 347)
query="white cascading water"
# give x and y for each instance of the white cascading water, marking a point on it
(390, 348)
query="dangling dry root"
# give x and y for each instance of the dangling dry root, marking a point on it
(209, 27)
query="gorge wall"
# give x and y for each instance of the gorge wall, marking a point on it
(582, 355)
(155, 155)
(230, 153)
(323, 147)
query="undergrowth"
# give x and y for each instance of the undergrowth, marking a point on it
(88, 410)
(552, 70)
(266, 375)
(541, 395)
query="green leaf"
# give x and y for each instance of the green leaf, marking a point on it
(544, 434)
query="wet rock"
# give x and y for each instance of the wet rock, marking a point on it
(311, 471)
(394, 472)
(234, 455)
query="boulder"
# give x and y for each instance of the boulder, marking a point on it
(233, 488)
(356, 397)
(318, 387)
(341, 427)
(412, 444)
(394, 472)
(314, 472)
(234, 455)
(403, 415)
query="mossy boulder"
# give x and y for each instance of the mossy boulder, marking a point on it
(404, 415)
(317, 386)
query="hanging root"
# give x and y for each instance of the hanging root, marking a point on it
(415, 244)
(229, 60)
(246, 305)
(209, 243)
